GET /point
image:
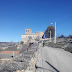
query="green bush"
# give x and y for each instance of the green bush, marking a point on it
(68, 49)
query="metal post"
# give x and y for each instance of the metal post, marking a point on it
(42, 61)
(50, 35)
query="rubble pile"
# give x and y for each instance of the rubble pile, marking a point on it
(20, 61)
(25, 55)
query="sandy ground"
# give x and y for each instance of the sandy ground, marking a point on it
(58, 58)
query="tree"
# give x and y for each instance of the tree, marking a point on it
(62, 36)
(43, 36)
(30, 37)
(47, 32)
(70, 36)
(37, 38)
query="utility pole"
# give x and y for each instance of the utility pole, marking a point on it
(50, 35)
(55, 34)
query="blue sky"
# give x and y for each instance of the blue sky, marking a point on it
(16, 15)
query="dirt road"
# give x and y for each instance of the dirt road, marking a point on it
(54, 60)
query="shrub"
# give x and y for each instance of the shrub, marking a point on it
(68, 49)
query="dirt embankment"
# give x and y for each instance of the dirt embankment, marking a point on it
(64, 43)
